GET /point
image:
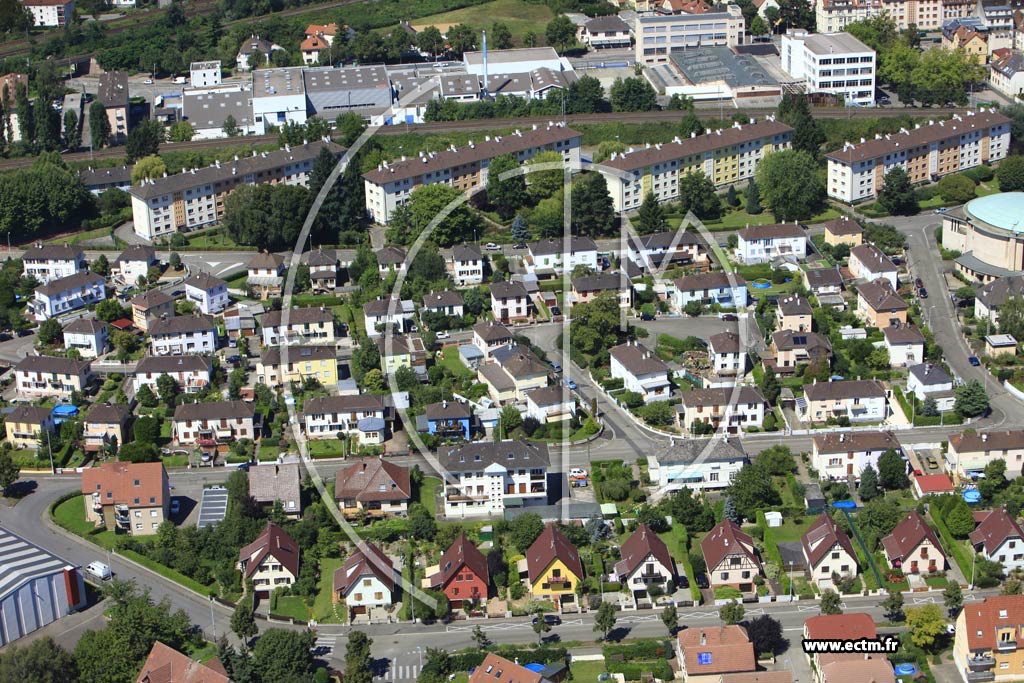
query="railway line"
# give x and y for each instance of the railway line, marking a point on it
(493, 124)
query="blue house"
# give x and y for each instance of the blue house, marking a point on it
(449, 419)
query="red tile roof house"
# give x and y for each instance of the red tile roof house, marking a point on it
(462, 573)
(828, 551)
(270, 561)
(705, 654)
(913, 546)
(833, 667)
(376, 488)
(645, 562)
(367, 579)
(999, 538)
(730, 557)
(495, 669)
(166, 665)
(930, 484)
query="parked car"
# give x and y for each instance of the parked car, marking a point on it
(973, 360)
(234, 360)
(647, 316)
(555, 310)
(730, 317)
(244, 466)
(148, 81)
(491, 246)
(684, 582)
(932, 462)
(918, 282)
(99, 570)
(550, 619)
(577, 472)
(556, 366)
(519, 245)
(442, 335)
(571, 383)
(175, 506)
(701, 579)
(923, 293)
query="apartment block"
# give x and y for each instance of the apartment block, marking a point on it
(833, 63)
(658, 35)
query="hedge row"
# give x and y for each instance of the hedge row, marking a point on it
(641, 650)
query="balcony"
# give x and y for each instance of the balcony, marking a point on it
(455, 494)
(1006, 645)
(981, 662)
(122, 517)
(980, 676)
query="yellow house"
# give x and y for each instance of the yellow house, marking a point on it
(25, 424)
(303, 362)
(971, 42)
(986, 639)
(398, 351)
(553, 567)
(843, 230)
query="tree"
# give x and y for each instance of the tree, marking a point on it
(953, 598)
(1011, 173)
(959, 518)
(690, 126)
(778, 460)
(545, 183)
(14, 18)
(897, 195)
(147, 427)
(791, 185)
(430, 40)
(765, 634)
(994, 480)
(697, 194)
(146, 398)
(144, 140)
(868, 488)
(9, 473)
(269, 216)
(147, 168)
(243, 623)
(604, 620)
(175, 260)
(181, 131)
(592, 210)
(41, 661)
(427, 202)
(282, 655)
(167, 388)
(101, 266)
(971, 399)
(770, 386)
(500, 36)
(230, 127)
(633, 94)
(358, 659)
(929, 407)
(892, 605)
(752, 490)
(462, 38)
(670, 617)
(892, 471)
(50, 332)
(540, 625)
(651, 217)
(732, 612)
(519, 230)
(507, 195)
(72, 133)
(560, 32)
(480, 638)
(137, 451)
(925, 624)
(831, 602)
(758, 27)
(753, 198)
(525, 529)
(729, 511)
(795, 110)
(731, 198)
(957, 188)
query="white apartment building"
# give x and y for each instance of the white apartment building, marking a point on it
(868, 262)
(67, 294)
(463, 168)
(191, 373)
(51, 376)
(929, 152)
(834, 63)
(182, 335)
(548, 256)
(657, 35)
(46, 262)
(87, 335)
(765, 243)
(710, 288)
(732, 409)
(727, 355)
(510, 301)
(641, 371)
(194, 198)
(204, 74)
(216, 422)
(388, 313)
(209, 293)
(298, 326)
(467, 265)
(134, 262)
(697, 464)
(50, 12)
(840, 455)
(323, 417)
(726, 156)
(278, 97)
(494, 476)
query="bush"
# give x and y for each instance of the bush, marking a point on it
(616, 489)
(980, 174)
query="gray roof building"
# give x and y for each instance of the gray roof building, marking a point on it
(480, 455)
(207, 110)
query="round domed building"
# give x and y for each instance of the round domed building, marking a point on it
(989, 234)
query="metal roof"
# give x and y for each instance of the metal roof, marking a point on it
(22, 561)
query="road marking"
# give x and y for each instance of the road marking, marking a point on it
(327, 642)
(807, 608)
(923, 601)
(701, 615)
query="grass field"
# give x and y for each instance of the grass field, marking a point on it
(451, 360)
(71, 515)
(520, 17)
(323, 608)
(292, 606)
(427, 489)
(586, 672)
(326, 448)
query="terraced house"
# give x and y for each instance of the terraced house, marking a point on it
(928, 152)
(725, 156)
(857, 400)
(463, 168)
(182, 335)
(970, 452)
(51, 376)
(733, 409)
(324, 417)
(298, 326)
(303, 363)
(46, 262)
(213, 424)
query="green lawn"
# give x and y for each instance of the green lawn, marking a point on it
(790, 530)
(292, 606)
(586, 672)
(326, 448)
(427, 489)
(323, 608)
(167, 572)
(450, 359)
(723, 259)
(175, 460)
(268, 452)
(739, 219)
(519, 16)
(203, 653)
(71, 515)
(98, 233)
(216, 239)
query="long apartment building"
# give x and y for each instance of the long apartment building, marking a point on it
(926, 153)
(926, 15)
(189, 200)
(726, 156)
(658, 35)
(464, 168)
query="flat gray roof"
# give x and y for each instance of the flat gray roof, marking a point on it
(825, 43)
(210, 109)
(712, 64)
(496, 57)
(277, 82)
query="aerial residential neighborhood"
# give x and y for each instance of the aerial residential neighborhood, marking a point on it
(511, 340)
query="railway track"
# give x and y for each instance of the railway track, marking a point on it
(491, 124)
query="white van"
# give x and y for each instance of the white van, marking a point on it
(99, 570)
(180, 80)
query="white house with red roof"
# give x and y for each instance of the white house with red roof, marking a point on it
(730, 556)
(913, 546)
(367, 579)
(645, 562)
(828, 551)
(270, 561)
(930, 485)
(999, 538)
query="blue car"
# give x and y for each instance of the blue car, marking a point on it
(571, 383)
(973, 360)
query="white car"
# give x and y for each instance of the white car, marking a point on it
(491, 246)
(148, 81)
(442, 335)
(577, 472)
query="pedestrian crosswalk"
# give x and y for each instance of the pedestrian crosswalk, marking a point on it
(399, 672)
(324, 646)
